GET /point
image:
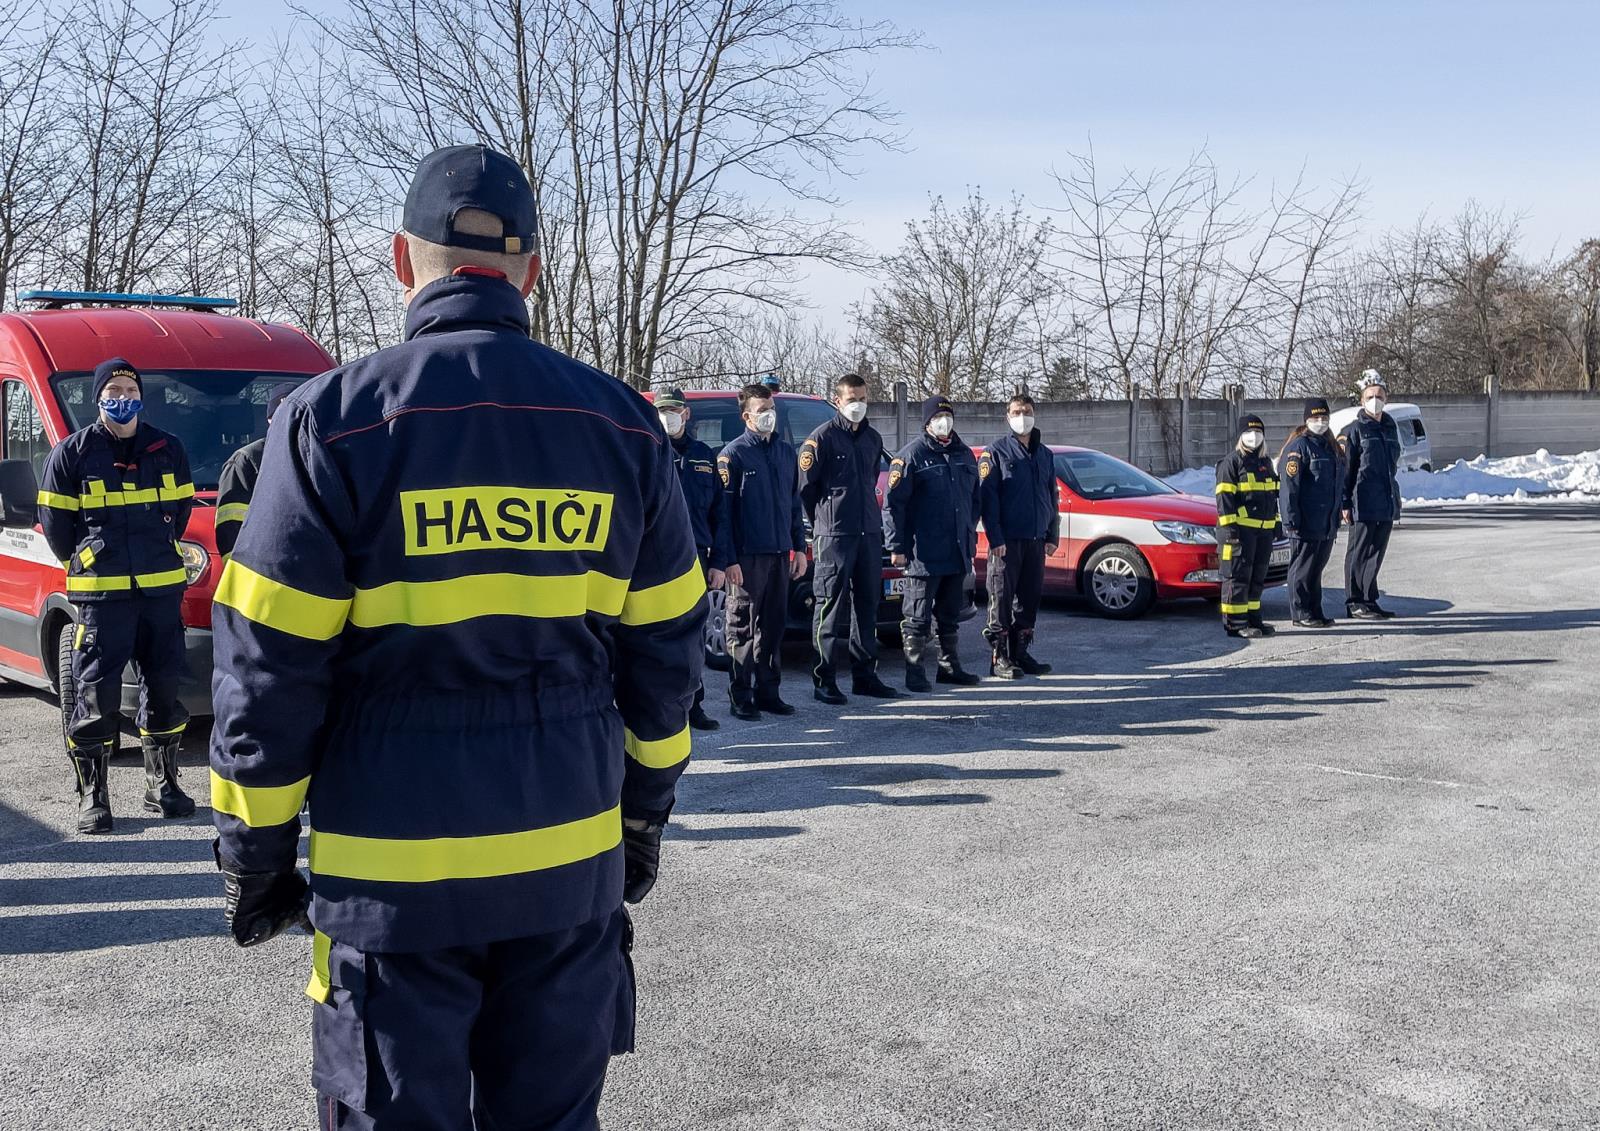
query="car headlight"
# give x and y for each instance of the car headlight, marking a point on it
(1188, 533)
(195, 560)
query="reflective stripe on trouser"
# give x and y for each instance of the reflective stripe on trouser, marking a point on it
(1014, 590)
(146, 629)
(1363, 558)
(507, 1034)
(758, 612)
(1242, 565)
(846, 585)
(1307, 559)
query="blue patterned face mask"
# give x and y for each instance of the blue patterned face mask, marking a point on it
(120, 410)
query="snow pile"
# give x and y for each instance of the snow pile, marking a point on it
(1539, 477)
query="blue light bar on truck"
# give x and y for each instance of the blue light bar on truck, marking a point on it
(55, 300)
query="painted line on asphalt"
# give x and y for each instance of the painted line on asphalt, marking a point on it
(899, 717)
(770, 745)
(1388, 777)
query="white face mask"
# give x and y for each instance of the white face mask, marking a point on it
(1319, 426)
(1021, 425)
(942, 425)
(1374, 406)
(854, 411)
(672, 422)
(1253, 439)
(766, 421)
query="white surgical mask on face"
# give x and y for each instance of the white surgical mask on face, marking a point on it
(1253, 439)
(1318, 425)
(672, 422)
(1374, 406)
(854, 411)
(765, 422)
(942, 425)
(1021, 425)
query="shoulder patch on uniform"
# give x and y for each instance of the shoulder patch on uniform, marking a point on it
(808, 455)
(983, 468)
(897, 472)
(1291, 466)
(722, 470)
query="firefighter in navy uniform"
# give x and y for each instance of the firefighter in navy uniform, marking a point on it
(839, 465)
(114, 502)
(1311, 477)
(1022, 522)
(708, 510)
(1371, 496)
(1247, 523)
(463, 623)
(760, 478)
(933, 533)
(238, 481)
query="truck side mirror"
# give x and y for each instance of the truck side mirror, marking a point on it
(19, 493)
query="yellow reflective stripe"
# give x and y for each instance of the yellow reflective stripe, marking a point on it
(1253, 606)
(1235, 609)
(156, 580)
(319, 988)
(258, 805)
(1227, 552)
(665, 602)
(59, 502)
(382, 860)
(232, 512)
(173, 494)
(283, 607)
(162, 733)
(86, 557)
(1227, 519)
(112, 584)
(77, 641)
(1227, 488)
(657, 754)
(1242, 519)
(488, 595)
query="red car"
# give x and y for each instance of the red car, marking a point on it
(206, 375)
(1128, 539)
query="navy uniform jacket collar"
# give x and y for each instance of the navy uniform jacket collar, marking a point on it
(759, 438)
(143, 436)
(467, 302)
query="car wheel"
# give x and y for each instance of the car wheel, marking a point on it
(717, 658)
(1118, 582)
(66, 688)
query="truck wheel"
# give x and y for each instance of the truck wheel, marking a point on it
(66, 689)
(1118, 582)
(717, 658)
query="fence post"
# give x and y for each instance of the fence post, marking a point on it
(1491, 424)
(900, 440)
(1183, 426)
(1133, 425)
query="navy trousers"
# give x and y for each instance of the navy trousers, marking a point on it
(511, 1036)
(1308, 557)
(1363, 558)
(147, 629)
(847, 584)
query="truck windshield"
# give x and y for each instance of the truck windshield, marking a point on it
(213, 412)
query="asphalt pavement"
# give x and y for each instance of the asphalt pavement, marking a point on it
(1337, 879)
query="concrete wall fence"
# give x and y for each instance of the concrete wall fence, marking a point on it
(1164, 436)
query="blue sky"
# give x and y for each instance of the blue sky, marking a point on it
(1431, 103)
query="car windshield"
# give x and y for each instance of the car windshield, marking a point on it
(213, 412)
(1095, 475)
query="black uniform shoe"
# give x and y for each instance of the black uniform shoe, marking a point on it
(1263, 629)
(1001, 667)
(699, 720)
(773, 705)
(743, 709)
(161, 791)
(1020, 656)
(917, 678)
(1249, 632)
(1232, 631)
(830, 694)
(1383, 613)
(1365, 612)
(1314, 622)
(91, 764)
(951, 671)
(872, 687)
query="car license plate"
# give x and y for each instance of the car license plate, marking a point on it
(1280, 556)
(894, 587)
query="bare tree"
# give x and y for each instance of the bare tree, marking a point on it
(35, 168)
(1316, 233)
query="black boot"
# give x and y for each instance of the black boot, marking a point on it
(950, 669)
(91, 764)
(916, 648)
(161, 791)
(872, 687)
(1000, 664)
(827, 691)
(699, 720)
(1020, 639)
(743, 707)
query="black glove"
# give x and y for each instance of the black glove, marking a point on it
(262, 905)
(641, 854)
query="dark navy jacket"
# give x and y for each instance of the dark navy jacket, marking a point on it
(116, 525)
(234, 489)
(1372, 462)
(839, 480)
(708, 509)
(1311, 477)
(933, 506)
(1247, 493)
(1020, 499)
(760, 478)
(464, 621)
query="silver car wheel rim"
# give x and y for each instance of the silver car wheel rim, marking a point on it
(1114, 583)
(717, 624)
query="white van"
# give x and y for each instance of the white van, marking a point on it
(1415, 454)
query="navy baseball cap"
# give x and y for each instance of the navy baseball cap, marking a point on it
(1251, 422)
(471, 176)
